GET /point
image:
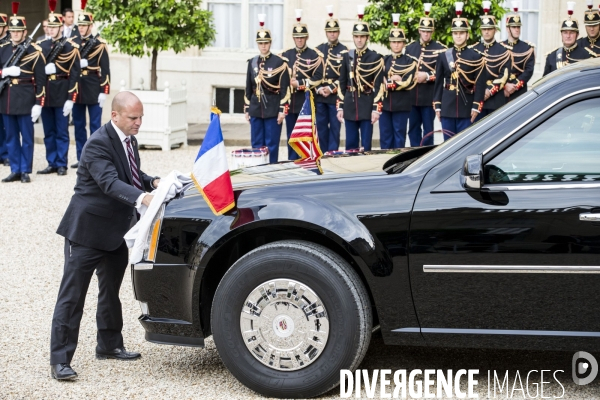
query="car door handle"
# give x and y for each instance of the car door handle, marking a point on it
(592, 217)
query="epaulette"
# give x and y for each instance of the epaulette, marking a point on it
(285, 51)
(319, 53)
(75, 45)
(282, 57)
(472, 46)
(102, 40)
(414, 58)
(36, 46)
(592, 53)
(550, 52)
(529, 43)
(411, 42)
(509, 47)
(40, 41)
(443, 45)
(343, 51)
(4, 44)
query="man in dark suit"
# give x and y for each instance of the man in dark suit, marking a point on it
(110, 186)
(70, 30)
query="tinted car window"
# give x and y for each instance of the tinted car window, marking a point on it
(564, 148)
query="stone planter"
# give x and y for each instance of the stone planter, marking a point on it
(165, 117)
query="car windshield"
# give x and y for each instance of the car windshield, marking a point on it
(484, 124)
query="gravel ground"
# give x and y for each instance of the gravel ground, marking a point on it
(30, 271)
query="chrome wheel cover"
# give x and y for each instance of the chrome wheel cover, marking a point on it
(284, 324)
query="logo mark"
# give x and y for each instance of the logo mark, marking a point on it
(283, 325)
(584, 364)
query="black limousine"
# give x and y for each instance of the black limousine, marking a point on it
(491, 239)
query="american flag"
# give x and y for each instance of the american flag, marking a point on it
(304, 139)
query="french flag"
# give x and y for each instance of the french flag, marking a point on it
(211, 172)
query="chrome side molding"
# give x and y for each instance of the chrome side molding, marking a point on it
(454, 331)
(515, 269)
(592, 217)
(143, 266)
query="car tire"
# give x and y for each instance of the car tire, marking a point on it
(328, 276)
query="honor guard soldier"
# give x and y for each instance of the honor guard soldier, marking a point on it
(4, 38)
(328, 126)
(62, 72)
(420, 121)
(498, 63)
(399, 78)
(523, 54)
(22, 99)
(570, 52)
(303, 62)
(460, 85)
(94, 81)
(267, 94)
(592, 27)
(361, 89)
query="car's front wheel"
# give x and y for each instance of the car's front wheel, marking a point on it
(288, 316)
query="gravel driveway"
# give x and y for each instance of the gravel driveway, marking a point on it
(31, 261)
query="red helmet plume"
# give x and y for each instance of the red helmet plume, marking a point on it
(15, 7)
(83, 4)
(52, 5)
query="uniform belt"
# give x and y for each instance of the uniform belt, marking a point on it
(57, 77)
(453, 87)
(86, 72)
(18, 81)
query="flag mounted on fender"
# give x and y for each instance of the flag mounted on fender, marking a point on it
(304, 138)
(211, 172)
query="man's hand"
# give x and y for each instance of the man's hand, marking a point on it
(101, 99)
(155, 183)
(36, 111)
(67, 108)
(510, 88)
(421, 77)
(374, 117)
(294, 83)
(488, 94)
(11, 71)
(438, 114)
(324, 91)
(506, 93)
(340, 116)
(50, 69)
(147, 200)
(280, 118)
(247, 115)
(474, 115)
(396, 77)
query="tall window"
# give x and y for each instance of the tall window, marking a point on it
(530, 18)
(236, 22)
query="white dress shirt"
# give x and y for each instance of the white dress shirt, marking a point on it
(123, 137)
(67, 31)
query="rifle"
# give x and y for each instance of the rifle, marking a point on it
(87, 48)
(16, 57)
(56, 50)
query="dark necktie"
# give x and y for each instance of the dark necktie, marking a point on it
(133, 165)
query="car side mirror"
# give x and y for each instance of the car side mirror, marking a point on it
(472, 172)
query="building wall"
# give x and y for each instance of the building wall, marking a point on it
(204, 70)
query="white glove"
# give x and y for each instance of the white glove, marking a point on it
(101, 99)
(67, 107)
(36, 111)
(11, 71)
(50, 69)
(83, 63)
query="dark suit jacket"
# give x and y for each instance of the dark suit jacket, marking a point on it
(101, 209)
(76, 35)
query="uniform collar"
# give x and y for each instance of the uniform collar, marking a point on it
(513, 43)
(424, 44)
(490, 44)
(302, 50)
(264, 58)
(461, 48)
(570, 49)
(332, 45)
(593, 40)
(54, 41)
(361, 52)
(396, 55)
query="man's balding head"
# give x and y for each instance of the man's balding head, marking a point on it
(127, 112)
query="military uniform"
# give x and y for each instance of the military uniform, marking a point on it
(460, 84)
(3, 149)
(302, 65)
(360, 91)
(422, 115)
(61, 92)
(592, 18)
(328, 126)
(523, 58)
(562, 56)
(94, 84)
(267, 95)
(21, 101)
(498, 66)
(396, 104)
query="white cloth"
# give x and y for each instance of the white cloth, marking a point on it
(168, 188)
(122, 137)
(50, 68)
(83, 63)
(67, 30)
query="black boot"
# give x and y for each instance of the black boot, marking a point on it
(13, 177)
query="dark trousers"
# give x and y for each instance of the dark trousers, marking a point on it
(482, 114)
(392, 129)
(81, 135)
(290, 122)
(421, 116)
(328, 127)
(56, 136)
(3, 148)
(353, 129)
(19, 142)
(80, 264)
(266, 132)
(452, 126)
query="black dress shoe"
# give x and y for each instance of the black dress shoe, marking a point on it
(14, 177)
(25, 178)
(119, 354)
(76, 165)
(62, 171)
(48, 170)
(62, 372)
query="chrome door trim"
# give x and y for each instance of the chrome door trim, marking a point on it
(543, 186)
(454, 331)
(143, 266)
(515, 269)
(537, 115)
(589, 217)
